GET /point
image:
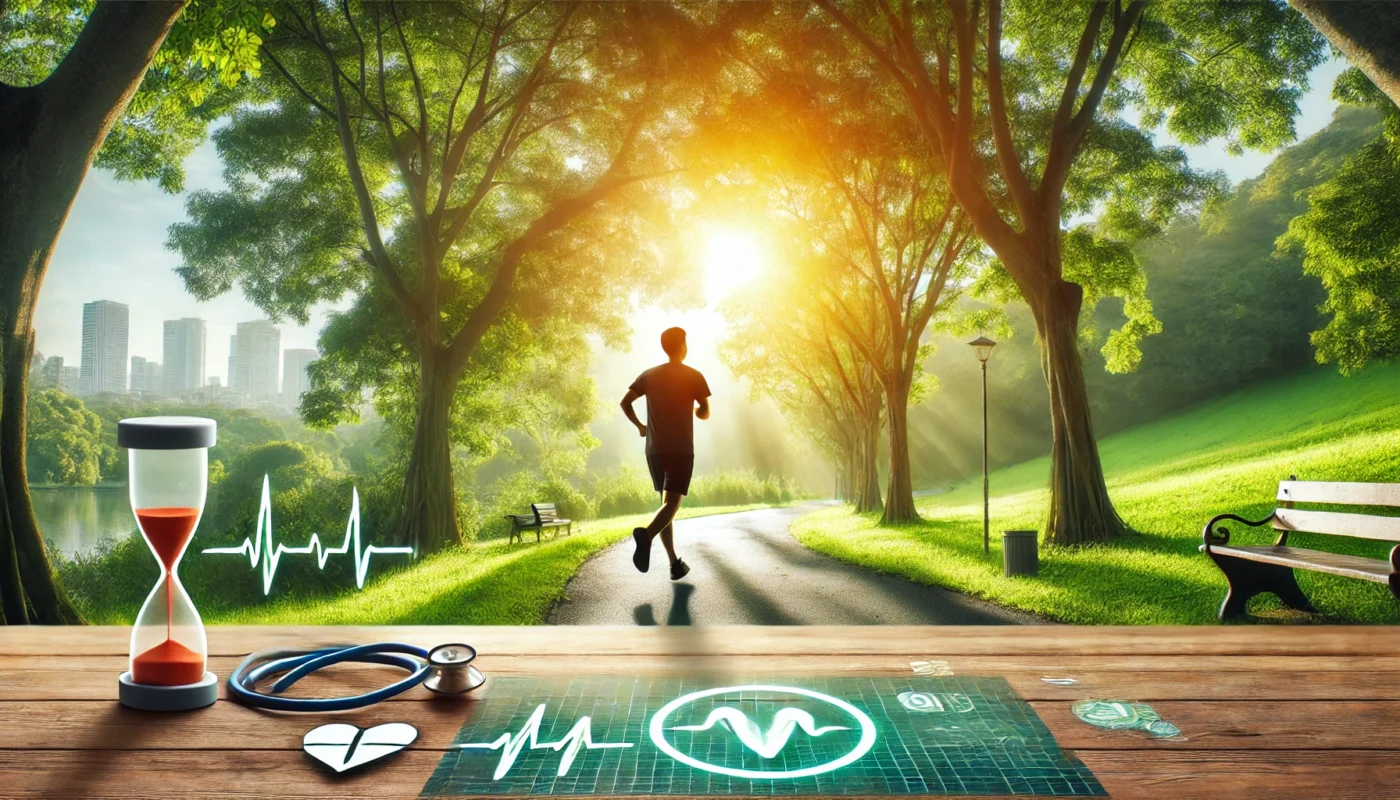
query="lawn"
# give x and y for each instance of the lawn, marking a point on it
(1167, 479)
(486, 583)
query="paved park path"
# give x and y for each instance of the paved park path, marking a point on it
(747, 569)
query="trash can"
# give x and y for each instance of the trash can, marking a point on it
(1020, 552)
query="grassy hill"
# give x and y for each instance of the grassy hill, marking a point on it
(1167, 478)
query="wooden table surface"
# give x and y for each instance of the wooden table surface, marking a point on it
(1283, 712)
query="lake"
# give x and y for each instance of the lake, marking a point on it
(74, 519)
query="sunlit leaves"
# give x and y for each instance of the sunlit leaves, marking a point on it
(1350, 239)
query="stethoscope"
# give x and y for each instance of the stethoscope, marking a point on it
(445, 670)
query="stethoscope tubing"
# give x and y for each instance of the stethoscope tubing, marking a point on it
(297, 664)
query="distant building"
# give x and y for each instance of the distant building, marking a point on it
(146, 377)
(252, 360)
(214, 382)
(137, 381)
(183, 351)
(49, 375)
(69, 382)
(104, 348)
(295, 380)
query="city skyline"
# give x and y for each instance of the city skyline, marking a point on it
(257, 364)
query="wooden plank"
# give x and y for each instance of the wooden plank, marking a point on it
(1245, 774)
(1359, 526)
(720, 641)
(1367, 569)
(1127, 775)
(1219, 678)
(1213, 725)
(1346, 494)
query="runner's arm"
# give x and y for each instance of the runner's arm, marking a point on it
(631, 413)
(703, 412)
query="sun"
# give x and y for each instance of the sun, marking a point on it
(732, 260)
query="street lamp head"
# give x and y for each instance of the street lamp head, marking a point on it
(983, 347)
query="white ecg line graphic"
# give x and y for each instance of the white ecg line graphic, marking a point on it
(765, 743)
(579, 736)
(254, 548)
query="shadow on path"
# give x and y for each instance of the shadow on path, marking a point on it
(747, 569)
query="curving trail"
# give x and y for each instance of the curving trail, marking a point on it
(747, 569)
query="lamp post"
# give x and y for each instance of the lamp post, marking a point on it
(982, 346)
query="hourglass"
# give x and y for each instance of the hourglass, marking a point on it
(168, 472)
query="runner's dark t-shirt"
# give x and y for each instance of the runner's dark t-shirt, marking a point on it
(671, 391)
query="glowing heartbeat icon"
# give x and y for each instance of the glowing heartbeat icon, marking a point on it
(254, 548)
(766, 744)
(579, 736)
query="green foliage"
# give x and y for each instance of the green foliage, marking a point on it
(738, 487)
(65, 440)
(625, 491)
(1232, 313)
(1167, 478)
(193, 78)
(1349, 238)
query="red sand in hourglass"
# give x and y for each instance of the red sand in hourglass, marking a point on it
(168, 663)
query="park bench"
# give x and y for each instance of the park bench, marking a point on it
(1254, 570)
(541, 516)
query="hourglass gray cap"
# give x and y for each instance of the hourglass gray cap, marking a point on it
(165, 433)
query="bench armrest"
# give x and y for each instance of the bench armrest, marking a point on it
(1219, 534)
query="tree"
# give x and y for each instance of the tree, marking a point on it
(66, 76)
(65, 440)
(810, 368)
(1367, 31)
(1349, 237)
(831, 149)
(456, 167)
(1028, 145)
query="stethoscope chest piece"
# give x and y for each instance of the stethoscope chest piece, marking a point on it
(450, 670)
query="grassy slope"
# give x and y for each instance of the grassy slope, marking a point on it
(487, 583)
(1167, 478)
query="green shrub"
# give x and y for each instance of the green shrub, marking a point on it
(626, 491)
(737, 487)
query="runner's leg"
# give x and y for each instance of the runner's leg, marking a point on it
(667, 540)
(665, 514)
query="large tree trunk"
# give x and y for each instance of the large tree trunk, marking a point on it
(868, 469)
(49, 135)
(899, 502)
(1367, 32)
(1080, 509)
(428, 516)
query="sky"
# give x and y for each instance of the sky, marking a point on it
(113, 248)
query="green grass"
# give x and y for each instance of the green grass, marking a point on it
(1167, 479)
(486, 583)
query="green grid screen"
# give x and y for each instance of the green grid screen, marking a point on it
(932, 735)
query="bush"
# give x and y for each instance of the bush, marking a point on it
(626, 491)
(737, 487)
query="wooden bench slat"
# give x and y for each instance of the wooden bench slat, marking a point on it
(1360, 526)
(1368, 569)
(1349, 494)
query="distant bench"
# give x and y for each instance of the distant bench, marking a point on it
(541, 516)
(1253, 570)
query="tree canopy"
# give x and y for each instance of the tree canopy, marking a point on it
(1349, 237)
(462, 171)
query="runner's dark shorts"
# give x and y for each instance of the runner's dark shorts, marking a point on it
(670, 472)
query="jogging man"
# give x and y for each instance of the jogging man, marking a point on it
(672, 391)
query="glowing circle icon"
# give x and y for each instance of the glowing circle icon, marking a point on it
(769, 743)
